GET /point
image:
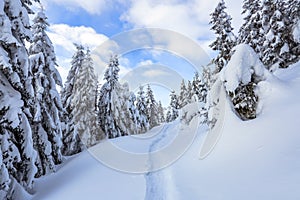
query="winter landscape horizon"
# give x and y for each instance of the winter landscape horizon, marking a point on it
(153, 100)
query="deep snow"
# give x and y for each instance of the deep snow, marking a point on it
(257, 159)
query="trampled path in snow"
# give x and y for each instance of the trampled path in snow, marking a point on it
(159, 185)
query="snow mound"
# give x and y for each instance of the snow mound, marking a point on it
(190, 111)
(243, 65)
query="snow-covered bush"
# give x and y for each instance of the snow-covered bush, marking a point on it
(240, 78)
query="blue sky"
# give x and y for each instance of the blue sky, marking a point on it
(92, 22)
(107, 22)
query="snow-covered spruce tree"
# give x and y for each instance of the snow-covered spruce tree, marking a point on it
(207, 77)
(240, 78)
(293, 12)
(109, 101)
(292, 34)
(251, 32)
(118, 115)
(97, 95)
(276, 51)
(268, 9)
(199, 88)
(161, 114)
(4, 176)
(174, 107)
(126, 116)
(18, 154)
(141, 105)
(268, 30)
(46, 108)
(190, 93)
(9, 152)
(169, 115)
(225, 41)
(71, 140)
(196, 85)
(83, 103)
(152, 109)
(135, 120)
(212, 84)
(183, 96)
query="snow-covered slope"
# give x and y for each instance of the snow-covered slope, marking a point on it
(256, 159)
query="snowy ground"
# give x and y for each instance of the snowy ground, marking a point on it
(257, 159)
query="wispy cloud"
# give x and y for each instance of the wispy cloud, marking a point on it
(189, 17)
(91, 6)
(154, 73)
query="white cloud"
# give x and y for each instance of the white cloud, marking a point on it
(94, 7)
(66, 35)
(168, 15)
(154, 73)
(182, 46)
(190, 17)
(91, 6)
(145, 62)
